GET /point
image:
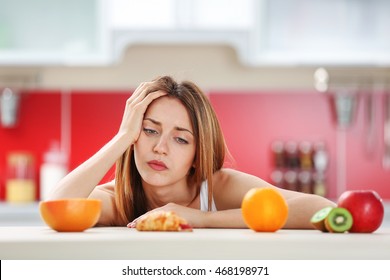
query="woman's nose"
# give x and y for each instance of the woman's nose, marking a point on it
(161, 146)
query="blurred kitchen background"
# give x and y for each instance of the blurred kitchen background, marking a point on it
(301, 87)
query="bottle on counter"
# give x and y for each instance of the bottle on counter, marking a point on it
(305, 155)
(292, 155)
(321, 161)
(320, 157)
(20, 183)
(291, 180)
(52, 170)
(278, 154)
(319, 187)
(305, 181)
(277, 178)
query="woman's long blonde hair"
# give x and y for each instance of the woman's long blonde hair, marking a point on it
(210, 152)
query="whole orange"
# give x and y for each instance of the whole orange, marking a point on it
(264, 209)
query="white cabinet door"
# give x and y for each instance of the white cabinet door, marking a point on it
(341, 32)
(141, 14)
(181, 14)
(52, 32)
(181, 21)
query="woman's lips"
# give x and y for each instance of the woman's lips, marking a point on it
(157, 165)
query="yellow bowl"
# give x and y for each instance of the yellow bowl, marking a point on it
(74, 214)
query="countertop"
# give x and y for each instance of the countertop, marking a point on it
(115, 243)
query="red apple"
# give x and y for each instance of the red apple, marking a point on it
(366, 209)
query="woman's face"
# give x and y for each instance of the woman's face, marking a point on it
(165, 149)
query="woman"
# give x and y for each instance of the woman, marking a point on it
(169, 153)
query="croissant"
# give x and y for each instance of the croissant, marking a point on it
(163, 221)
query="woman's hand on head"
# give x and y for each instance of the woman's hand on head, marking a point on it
(135, 109)
(193, 216)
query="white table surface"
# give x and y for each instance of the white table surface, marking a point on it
(40, 242)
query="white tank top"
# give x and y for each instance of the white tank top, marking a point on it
(204, 198)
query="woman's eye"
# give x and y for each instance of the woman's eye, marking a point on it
(181, 140)
(150, 131)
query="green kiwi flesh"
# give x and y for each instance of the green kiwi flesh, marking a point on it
(339, 220)
(318, 219)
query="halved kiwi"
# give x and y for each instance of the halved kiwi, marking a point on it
(318, 219)
(338, 220)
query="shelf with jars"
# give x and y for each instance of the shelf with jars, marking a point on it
(300, 166)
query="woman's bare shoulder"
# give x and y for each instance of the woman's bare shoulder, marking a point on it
(224, 174)
(228, 176)
(230, 186)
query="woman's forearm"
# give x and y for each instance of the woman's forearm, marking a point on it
(82, 180)
(231, 218)
(302, 208)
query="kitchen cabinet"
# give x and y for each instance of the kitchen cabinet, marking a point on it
(181, 22)
(267, 32)
(263, 32)
(56, 32)
(97, 32)
(181, 14)
(316, 32)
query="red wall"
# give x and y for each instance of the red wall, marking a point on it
(251, 122)
(95, 119)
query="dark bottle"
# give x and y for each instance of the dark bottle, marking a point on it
(292, 156)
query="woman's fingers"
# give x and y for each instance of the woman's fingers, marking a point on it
(144, 95)
(146, 100)
(136, 107)
(140, 90)
(133, 223)
(136, 111)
